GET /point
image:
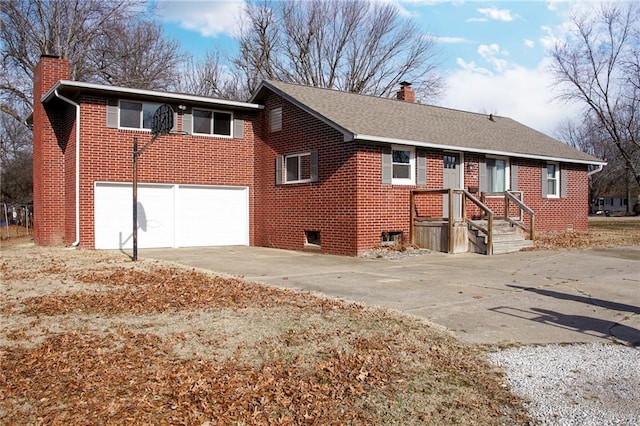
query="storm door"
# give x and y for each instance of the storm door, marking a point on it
(452, 179)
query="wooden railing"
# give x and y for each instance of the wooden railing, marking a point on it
(451, 219)
(510, 197)
(488, 213)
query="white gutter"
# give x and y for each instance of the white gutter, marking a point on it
(125, 91)
(598, 170)
(77, 241)
(474, 150)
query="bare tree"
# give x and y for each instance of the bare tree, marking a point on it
(359, 46)
(66, 28)
(135, 54)
(15, 161)
(598, 66)
(103, 40)
(589, 136)
(258, 44)
(209, 77)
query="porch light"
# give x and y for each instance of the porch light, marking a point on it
(470, 166)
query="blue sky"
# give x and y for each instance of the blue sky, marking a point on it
(493, 52)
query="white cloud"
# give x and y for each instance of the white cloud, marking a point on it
(491, 53)
(529, 43)
(522, 94)
(472, 67)
(552, 5)
(451, 40)
(497, 14)
(208, 18)
(549, 39)
(565, 10)
(477, 20)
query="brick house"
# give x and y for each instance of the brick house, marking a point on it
(295, 167)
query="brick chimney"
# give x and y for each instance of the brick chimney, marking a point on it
(48, 157)
(406, 93)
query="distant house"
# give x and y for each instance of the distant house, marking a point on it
(296, 168)
(616, 203)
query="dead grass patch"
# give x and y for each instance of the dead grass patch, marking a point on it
(603, 233)
(89, 337)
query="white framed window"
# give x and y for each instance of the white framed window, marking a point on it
(136, 115)
(497, 174)
(297, 168)
(403, 165)
(214, 123)
(275, 120)
(552, 180)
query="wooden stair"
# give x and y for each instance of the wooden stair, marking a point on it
(506, 238)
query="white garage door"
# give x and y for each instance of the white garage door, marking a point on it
(171, 216)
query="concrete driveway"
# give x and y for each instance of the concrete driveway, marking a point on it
(527, 297)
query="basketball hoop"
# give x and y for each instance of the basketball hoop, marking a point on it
(161, 124)
(162, 121)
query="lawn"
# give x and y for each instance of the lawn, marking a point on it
(88, 337)
(603, 232)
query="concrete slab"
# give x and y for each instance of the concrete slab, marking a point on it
(534, 297)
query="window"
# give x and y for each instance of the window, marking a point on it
(450, 161)
(552, 180)
(206, 122)
(312, 238)
(391, 238)
(497, 172)
(275, 120)
(136, 115)
(402, 162)
(298, 168)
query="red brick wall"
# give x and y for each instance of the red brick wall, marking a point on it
(386, 208)
(285, 212)
(352, 208)
(106, 155)
(556, 214)
(349, 205)
(49, 205)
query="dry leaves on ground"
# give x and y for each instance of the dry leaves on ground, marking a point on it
(89, 337)
(603, 233)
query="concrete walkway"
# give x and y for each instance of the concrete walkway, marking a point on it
(527, 297)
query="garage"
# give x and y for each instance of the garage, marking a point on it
(171, 215)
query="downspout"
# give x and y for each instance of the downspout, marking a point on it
(598, 170)
(69, 101)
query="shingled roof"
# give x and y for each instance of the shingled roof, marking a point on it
(370, 118)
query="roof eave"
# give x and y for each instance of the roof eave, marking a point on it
(361, 137)
(348, 135)
(116, 90)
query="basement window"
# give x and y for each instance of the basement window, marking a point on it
(391, 238)
(312, 239)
